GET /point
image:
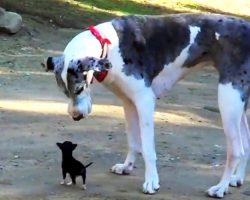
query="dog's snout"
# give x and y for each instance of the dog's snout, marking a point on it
(79, 117)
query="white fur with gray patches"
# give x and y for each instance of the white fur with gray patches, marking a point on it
(174, 71)
(132, 90)
(139, 99)
(82, 45)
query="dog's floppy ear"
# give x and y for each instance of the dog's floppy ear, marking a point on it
(103, 65)
(59, 145)
(54, 63)
(89, 65)
(96, 64)
(74, 146)
(49, 64)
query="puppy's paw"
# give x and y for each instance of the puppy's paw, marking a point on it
(63, 182)
(122, 169)
(84, 187)
(69, 183)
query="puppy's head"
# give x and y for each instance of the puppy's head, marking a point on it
(66, 147)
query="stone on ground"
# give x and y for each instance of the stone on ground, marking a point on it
(10, 22)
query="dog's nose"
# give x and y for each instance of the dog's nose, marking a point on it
(79, 117)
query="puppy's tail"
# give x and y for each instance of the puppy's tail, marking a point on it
(88, 164)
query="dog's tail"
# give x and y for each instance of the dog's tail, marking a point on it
(88, 164)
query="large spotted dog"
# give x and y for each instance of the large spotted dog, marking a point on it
(146, 57)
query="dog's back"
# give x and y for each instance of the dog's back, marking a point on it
(148, 43)
(72, 166)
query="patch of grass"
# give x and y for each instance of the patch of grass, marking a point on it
(123, 7)
(60, 12)
(80, 13)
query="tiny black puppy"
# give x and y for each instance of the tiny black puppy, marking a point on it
(71, 165)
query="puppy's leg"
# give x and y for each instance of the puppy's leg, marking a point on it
(239, 176)
(84, 187)
(73, 179)
(145, 104)
(63, 182)
(133, 136)
(231, 108)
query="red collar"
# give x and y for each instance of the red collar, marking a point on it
(100, 76)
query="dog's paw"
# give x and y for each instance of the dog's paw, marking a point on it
(236, 181)
(63, 182)
(218, 191)
(84, 187)
(151, 185)
(69, 183)
(122, 169)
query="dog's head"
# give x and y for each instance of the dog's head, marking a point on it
(66, 147)
(74, 78)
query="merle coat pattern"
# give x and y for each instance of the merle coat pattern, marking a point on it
(148, 55)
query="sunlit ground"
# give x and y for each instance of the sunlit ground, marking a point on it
(57, 108)
(240, 7)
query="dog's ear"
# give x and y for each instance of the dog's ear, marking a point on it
(103, 65)
(74, 146)
(90, 65)
(54, 64)
(95, 64)
(49, 64)
(59, 145)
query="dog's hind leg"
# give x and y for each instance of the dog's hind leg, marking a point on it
(238, 178)
(84, 187)
(73, 178)
(133, 137)
(231, 108)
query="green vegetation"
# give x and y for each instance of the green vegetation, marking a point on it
(79, 13)
(121, 7)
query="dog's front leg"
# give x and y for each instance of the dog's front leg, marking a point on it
(134, 140)
(145, 104)
(63, 182)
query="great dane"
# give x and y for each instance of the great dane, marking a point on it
(143, 58)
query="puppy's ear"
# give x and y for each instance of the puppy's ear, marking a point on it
(59, 145)
(74, 146)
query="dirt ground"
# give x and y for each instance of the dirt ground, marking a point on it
(33, 117)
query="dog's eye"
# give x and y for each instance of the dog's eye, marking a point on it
(66, 92)
(77, 92)
(85, 77)
(79, 88)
